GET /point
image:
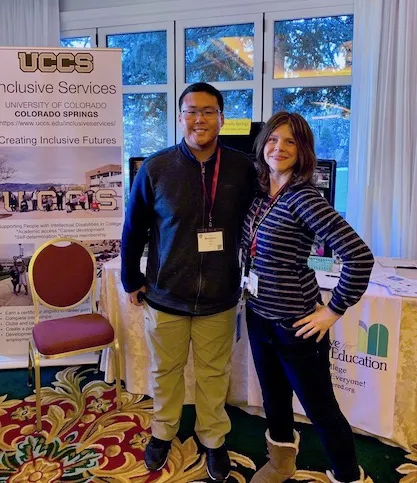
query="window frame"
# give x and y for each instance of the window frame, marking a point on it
(255, 84)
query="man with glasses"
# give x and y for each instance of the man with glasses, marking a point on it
(189, 202)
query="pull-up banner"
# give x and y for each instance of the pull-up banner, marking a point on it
(61, 138)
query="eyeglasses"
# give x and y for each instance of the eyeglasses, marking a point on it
(207, 113)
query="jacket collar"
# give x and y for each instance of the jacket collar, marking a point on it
(185, 150)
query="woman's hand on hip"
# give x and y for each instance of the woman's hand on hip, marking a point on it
(319, 322)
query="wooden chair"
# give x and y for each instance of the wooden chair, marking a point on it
(62, 275)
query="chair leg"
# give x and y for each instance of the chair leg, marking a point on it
(38, 392)
(30, 366)
(116, 352)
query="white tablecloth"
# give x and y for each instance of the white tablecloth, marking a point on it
(399, 427)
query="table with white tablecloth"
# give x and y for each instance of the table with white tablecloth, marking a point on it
(373, 360)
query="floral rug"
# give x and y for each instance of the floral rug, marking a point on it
(85, 439)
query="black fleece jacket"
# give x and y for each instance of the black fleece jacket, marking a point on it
(166, 207)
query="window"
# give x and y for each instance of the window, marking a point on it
(310, 47)
(293, 62)
(145, 120)
(219, 53)
(79, 39)
(238, 104)
(226, 55)
(144, 56)
(311, 61)
(148, 87)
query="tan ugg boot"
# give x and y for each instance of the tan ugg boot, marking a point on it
(281, 464)
(332, 479)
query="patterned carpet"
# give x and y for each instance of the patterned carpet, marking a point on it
(85, 439)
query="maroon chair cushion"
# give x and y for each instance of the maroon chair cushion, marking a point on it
(62, 275)
(72, 333)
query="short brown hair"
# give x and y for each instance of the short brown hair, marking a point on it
(304, 139)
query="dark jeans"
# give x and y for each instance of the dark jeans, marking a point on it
(286, 363)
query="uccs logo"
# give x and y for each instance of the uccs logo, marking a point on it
(65, 62)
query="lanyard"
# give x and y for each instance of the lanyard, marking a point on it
(254, 226)
(210, 201)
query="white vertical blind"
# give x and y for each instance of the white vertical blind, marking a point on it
(382, 201)
(31, 23)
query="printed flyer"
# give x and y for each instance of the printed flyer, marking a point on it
(61, 143)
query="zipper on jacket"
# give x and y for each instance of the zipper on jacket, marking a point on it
(200, 275)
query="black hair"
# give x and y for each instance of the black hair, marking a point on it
(202, 87)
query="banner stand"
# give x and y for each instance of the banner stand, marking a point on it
(61, 173)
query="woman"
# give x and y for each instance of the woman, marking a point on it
(288, 330)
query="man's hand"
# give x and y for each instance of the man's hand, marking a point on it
(133, 296)
(319, 322)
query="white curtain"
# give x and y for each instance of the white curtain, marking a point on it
(30, 23)
(382, 201)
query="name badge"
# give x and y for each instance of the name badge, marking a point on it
(210, 240)
(252, 283)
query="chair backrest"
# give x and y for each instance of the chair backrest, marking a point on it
(62, 274)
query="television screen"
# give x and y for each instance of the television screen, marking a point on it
(325, 180)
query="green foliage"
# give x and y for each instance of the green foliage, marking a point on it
(144, 57)
(314, 43)
(210, 58)
(238, 104)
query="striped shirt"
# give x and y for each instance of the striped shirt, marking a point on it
(287, 287)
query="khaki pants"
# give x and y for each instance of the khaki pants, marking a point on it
(168, 337)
